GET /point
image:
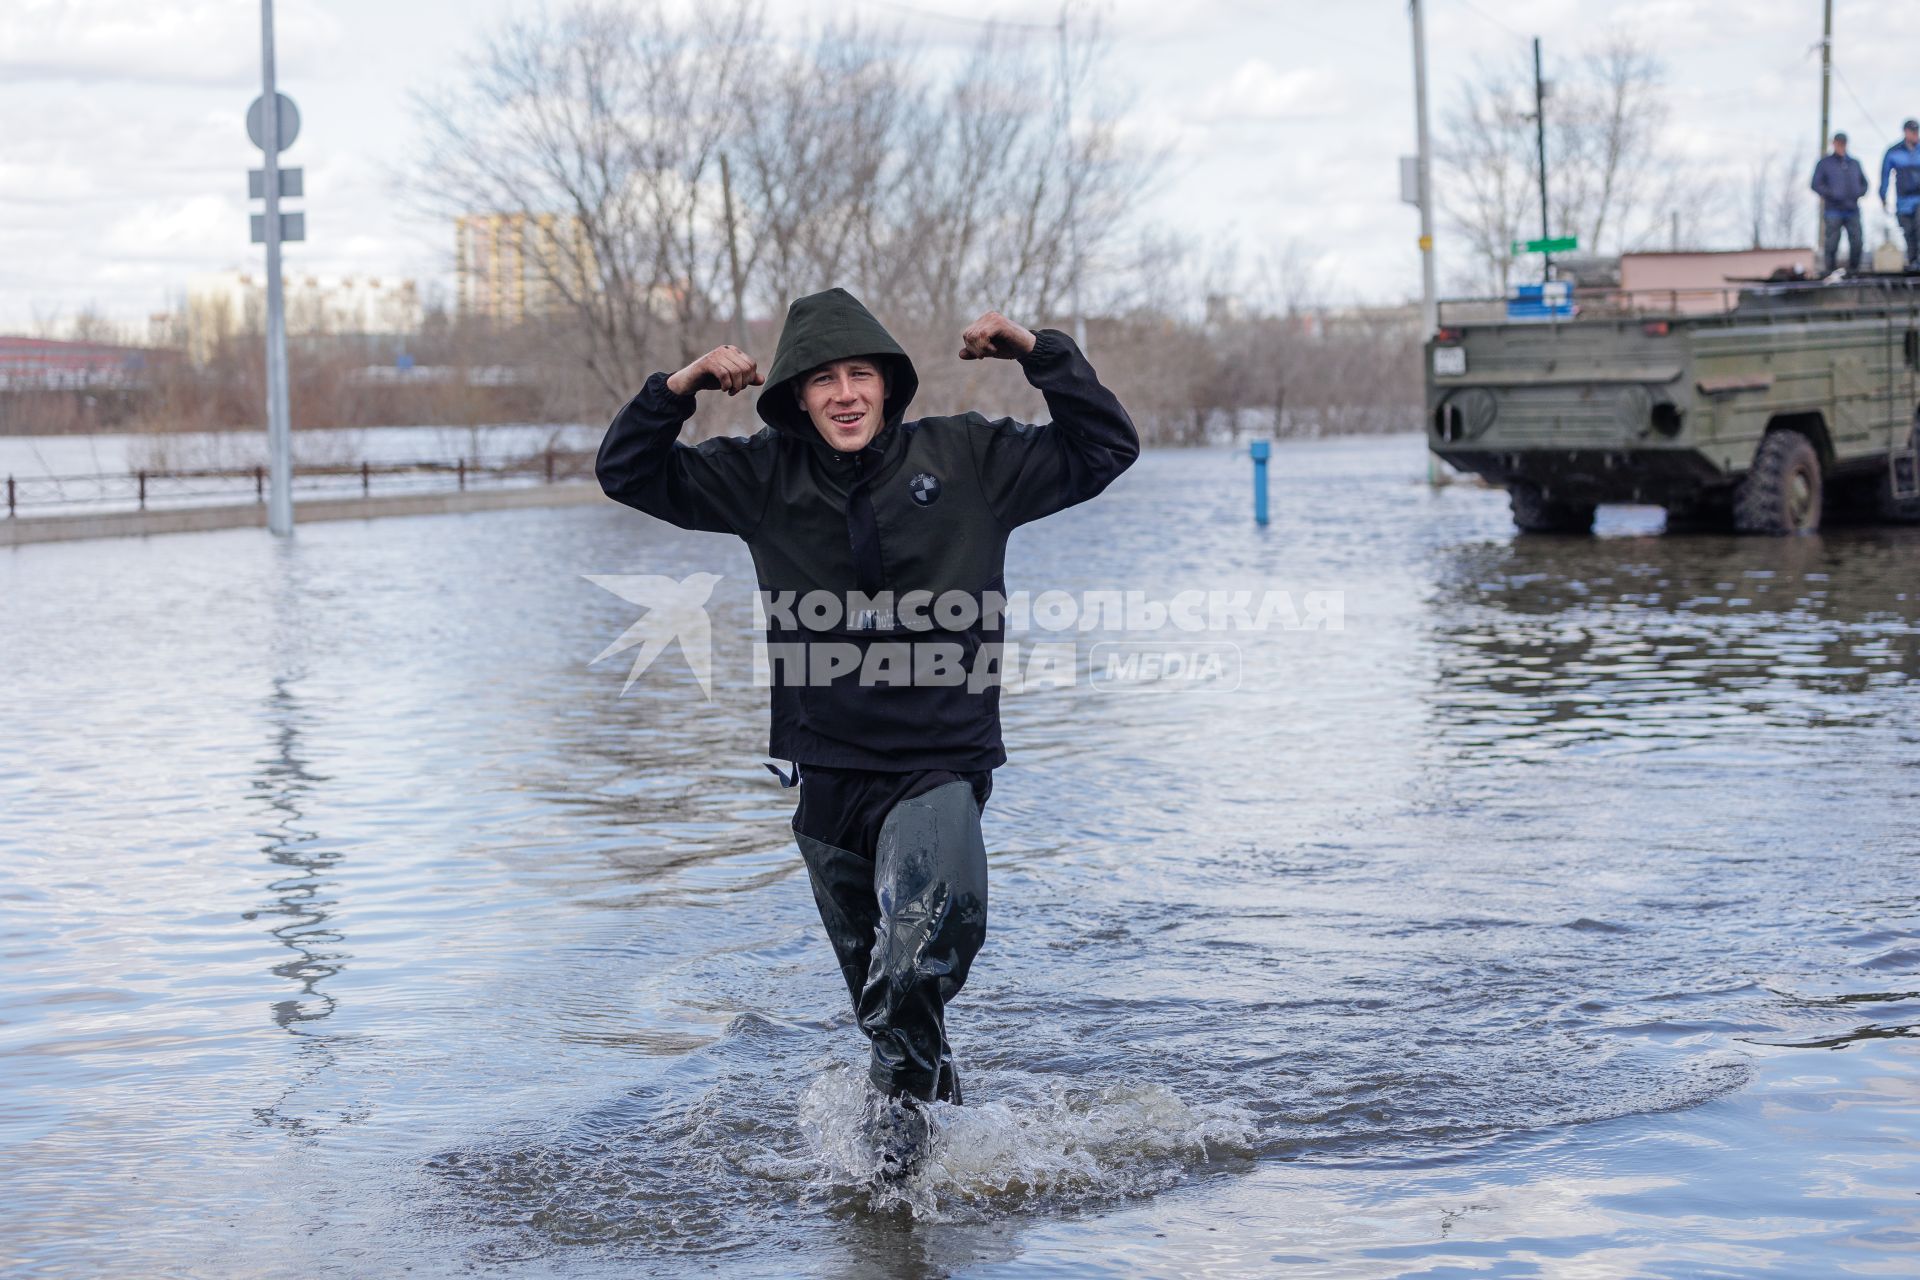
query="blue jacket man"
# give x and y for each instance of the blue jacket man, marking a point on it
(1839, 181)
(1902, 165)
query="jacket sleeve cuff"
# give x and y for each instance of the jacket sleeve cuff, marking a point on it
(1049, 346)
(657, 397)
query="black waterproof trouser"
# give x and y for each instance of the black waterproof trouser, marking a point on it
(899, 872)
(1849, 223)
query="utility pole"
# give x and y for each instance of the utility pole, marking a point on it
(1429, 300)
(1423, 188)
(733, 257)
(1073, 218)
(1540, 142)
(279, 433)
(1826, 114)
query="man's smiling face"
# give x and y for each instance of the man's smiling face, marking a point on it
(845, 399)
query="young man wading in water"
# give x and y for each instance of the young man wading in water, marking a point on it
(894, 750)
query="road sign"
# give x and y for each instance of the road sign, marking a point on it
(291, 182)
(1558, 244)
(293, 226)
(1549, 301)
(1410, 180)
(257, 122)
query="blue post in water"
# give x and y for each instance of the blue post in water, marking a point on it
(1259, 449)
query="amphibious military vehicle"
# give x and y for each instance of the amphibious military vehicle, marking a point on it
(1766, 408)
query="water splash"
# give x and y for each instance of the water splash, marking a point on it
(1038, 1141)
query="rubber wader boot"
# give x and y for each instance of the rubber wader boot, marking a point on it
(905, 928)
(899, 1135)
(930, 877)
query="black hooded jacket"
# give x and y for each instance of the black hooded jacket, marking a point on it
(925, 507)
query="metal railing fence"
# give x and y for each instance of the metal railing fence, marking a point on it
(148, 489)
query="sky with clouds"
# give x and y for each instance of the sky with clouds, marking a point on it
(124, 170)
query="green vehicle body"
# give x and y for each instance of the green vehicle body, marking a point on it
(1668, 398)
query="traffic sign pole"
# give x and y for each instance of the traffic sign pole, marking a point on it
(279, 429)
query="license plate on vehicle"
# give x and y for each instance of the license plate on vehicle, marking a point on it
(1449, 362)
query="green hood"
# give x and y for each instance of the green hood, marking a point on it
(831, 326)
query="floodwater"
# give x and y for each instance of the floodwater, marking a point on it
(1555, 915)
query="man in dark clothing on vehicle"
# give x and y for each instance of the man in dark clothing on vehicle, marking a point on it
(1840, 182)
(841, 495)
(1901, 164)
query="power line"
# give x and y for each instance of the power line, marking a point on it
(1841, 76)
(1484, 16)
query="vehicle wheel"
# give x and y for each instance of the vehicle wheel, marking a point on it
(1534, 513)
(1781, 492)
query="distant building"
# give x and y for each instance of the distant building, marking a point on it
(516, 268)
(226, 304)
(511, 266)
(43, 364)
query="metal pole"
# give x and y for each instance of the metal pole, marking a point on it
(1826, 117)
(1429, 300)
(279, 436)
(1429, 296)
(1073, 219)
(1259, 451)
(1540, 141)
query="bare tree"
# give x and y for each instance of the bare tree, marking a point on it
(1613, 181)
(1607, 168)
(824, 132)
(1790, 205)
(599, 128)
(934, 199)
(1488, 175)
(1776, 201)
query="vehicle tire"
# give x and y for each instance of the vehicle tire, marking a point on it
(1781, 492)
(1533, 512)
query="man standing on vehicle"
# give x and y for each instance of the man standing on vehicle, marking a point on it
(1902, 163)
(1840, 182)
(840, 498)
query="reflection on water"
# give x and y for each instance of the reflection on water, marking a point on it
(301, 912)
(1497, 925)
(1740, 647)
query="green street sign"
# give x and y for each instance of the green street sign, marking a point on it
(1559, 244)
